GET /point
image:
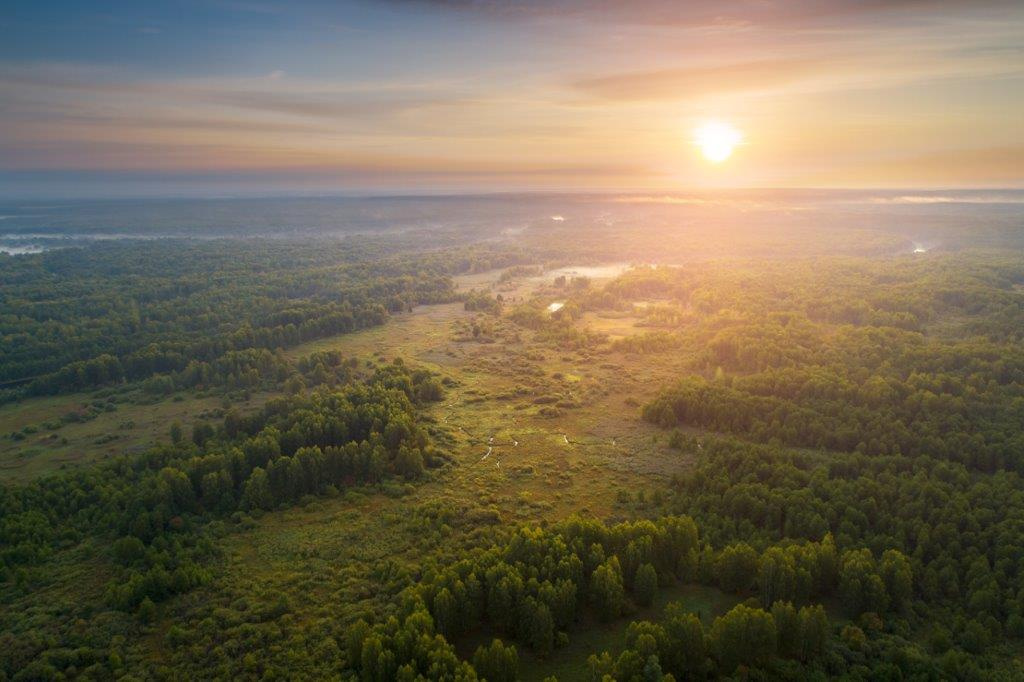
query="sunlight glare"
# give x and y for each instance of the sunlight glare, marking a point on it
(717, 140)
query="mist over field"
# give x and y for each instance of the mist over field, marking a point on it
(916, 215)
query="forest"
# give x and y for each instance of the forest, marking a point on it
(83, 318)
(385, 458)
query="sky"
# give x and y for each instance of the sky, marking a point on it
(229, 97)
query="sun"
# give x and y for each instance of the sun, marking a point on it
(717, 140)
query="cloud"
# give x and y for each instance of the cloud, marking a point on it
(801, 73)
(966, 167)
(85, 92)
(321, 104)
(688, 82)
(717, 13)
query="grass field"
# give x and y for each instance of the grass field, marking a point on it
(505, 446)
(131, 424)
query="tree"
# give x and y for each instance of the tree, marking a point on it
(409, 462)
(354, 638)
(176, 433)
(561, 599)
(256, 494)
(446, 613)
(898, 578)
(737, 567)
(787, 628)
(496, 663)
(647, 638)
(814, 632)
(776, 576)
(201, 432)
(537, 626)
(645, 585)
(606, 589)
(429, 390)
(974, 637)
(860, 586)
(686, 654)
(129, 550)
(147, 611)
(600, 666)
(629, 665)
(652, 670)
(378, 662)
(743, 636)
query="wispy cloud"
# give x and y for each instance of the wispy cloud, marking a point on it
(712, 13)
(682, 83)
(808, 73)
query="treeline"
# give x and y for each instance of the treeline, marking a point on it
(768, 363)
(973, 418)
(537, 586)
(252, 369)
(905, 293)
(481, 301)
(817, 408)
(754, 315)
(680, 648)
(77, 318)
(171, 357)
(296, 445)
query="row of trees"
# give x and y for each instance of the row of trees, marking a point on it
(296, 445)
(817, 408)
(863, 292)
(536, 586)
(679, 645)
(106, 313)
(774, 356)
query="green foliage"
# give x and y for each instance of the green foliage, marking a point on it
(736, 567)
(480, 301)
(645, 585)
(744, 636)
(497, 662)
(176, 433)
(606, 586)
(195, 312)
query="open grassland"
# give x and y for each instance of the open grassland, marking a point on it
(536, 431)
(56, 432)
